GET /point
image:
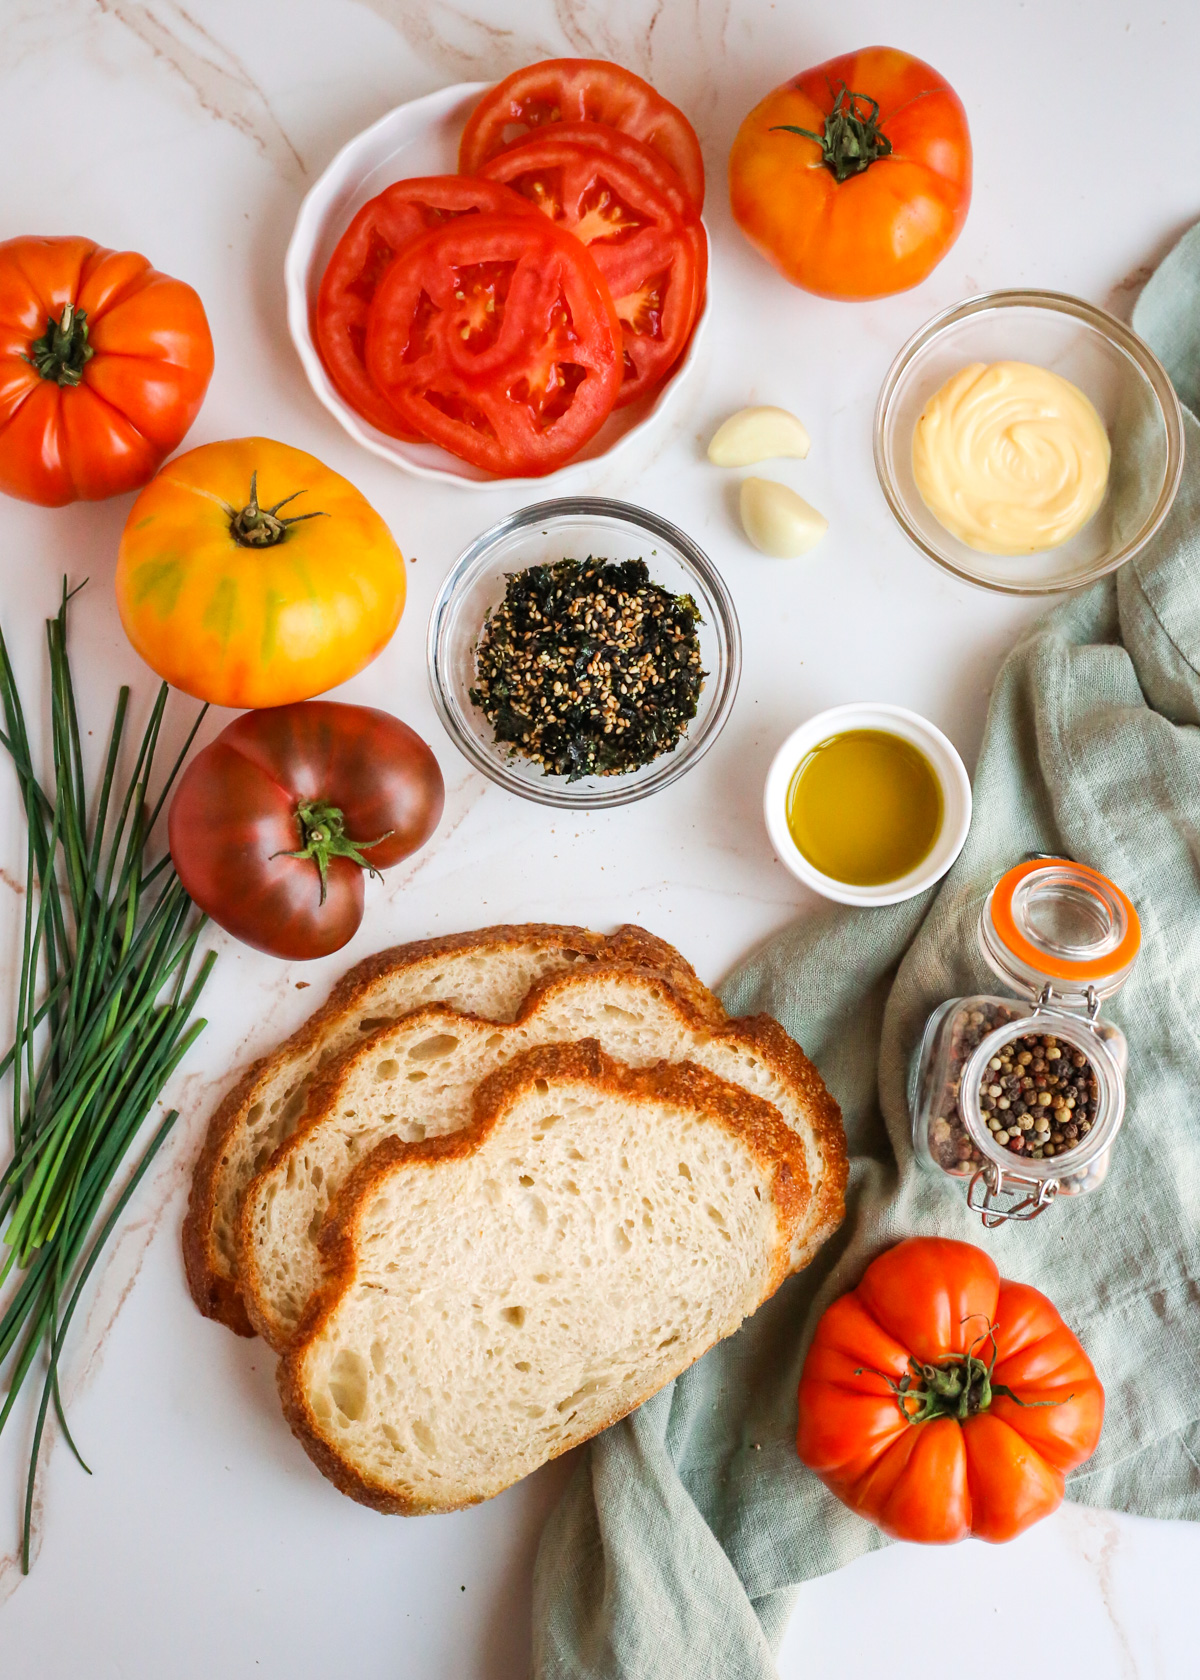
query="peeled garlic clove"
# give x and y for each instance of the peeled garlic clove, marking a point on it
(757, 434)
(779, 522)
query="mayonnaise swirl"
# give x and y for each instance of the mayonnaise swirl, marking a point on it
(1010, 458)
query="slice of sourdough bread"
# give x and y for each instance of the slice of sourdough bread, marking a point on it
(487, 973)
(417, 1079)
(501, 1294)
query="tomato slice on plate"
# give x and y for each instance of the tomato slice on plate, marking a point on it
(647, 253)
(649, 163)
(575, 90)
(497, 338)
(362, 256)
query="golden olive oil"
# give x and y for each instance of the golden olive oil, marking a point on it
(865, 807)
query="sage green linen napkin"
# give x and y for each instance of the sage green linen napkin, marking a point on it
(685, 1528)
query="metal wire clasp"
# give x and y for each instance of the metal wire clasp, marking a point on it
(995, 1185)
(1046, 1000)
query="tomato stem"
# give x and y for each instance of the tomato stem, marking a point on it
(959, 1387)
(851, 139)
(323, 831)
(260, 527)
(63, 350)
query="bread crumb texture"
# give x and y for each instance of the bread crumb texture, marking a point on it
(487, 973)
(501, 1294)
(417, 1079)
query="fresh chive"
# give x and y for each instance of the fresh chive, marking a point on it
(106, 989)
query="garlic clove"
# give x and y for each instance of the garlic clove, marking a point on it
(757, 434)
(779, 522)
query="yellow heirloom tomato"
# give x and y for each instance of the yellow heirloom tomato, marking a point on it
(250, 574)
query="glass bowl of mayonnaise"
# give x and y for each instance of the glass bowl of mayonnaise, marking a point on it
(1028, 442)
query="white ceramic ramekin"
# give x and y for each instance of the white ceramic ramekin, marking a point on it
(910, 726)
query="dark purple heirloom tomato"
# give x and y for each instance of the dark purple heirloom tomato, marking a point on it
(275, 822)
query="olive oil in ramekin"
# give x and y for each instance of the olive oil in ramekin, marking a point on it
(865, 807)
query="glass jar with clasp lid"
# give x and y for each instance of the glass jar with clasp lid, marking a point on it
(1022, 1097)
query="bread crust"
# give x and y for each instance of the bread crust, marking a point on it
(212, 1282)
(759, 1033)
(755, 1122)
(827, 1208)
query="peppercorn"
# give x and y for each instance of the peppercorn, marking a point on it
(1039, 1098)
(1056, 1098)
(949, 1142)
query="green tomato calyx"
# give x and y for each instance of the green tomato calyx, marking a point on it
(851, 139)
(260, 527)
(63, 350)
(959, 1386)
(323, 833)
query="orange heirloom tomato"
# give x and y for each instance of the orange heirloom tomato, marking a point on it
(250, 574)
(939, 1400)
(104, 363)
(854, 179)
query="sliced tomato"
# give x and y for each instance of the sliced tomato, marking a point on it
(653, 165)
(647, 253)
(362, 256)
(575, 90)
(497, 338)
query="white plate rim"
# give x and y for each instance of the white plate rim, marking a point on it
(354, 157)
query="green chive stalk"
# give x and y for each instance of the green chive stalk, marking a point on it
(106, 988)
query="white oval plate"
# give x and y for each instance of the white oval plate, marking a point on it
(421, 138)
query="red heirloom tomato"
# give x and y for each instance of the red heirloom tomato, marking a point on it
(581, 90)
(362, 256)
(104, 363)
(497, 338)
(939, 1400)
(854, 179)
(646, 251)
(274, 823)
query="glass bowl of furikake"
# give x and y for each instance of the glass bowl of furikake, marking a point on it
(584, 653)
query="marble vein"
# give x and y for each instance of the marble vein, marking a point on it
(118, 1271)
(217, 78)
(456, 42)
(1098, 1538)
(677, 44)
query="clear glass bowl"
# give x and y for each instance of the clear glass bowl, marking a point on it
(574, 528)
(1122, 377)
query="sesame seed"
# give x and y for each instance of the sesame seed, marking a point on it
(565, 664)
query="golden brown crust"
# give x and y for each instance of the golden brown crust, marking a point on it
(212, 1282)
(632, 944)
(759, 1034)
(391, 1504)
(750, 1118)
(829, 1202)
(216, 1294)
(775, 1146)
(322, 1096)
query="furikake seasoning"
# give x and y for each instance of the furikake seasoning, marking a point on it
(588, 668)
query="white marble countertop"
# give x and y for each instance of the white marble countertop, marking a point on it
(205, 1543)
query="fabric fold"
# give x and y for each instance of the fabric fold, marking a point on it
(687, 1526)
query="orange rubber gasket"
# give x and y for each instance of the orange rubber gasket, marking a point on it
(1100, 967)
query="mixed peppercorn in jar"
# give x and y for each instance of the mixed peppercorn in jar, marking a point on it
(1037, 1097)
(1024, 1096)
(1042, 1098)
